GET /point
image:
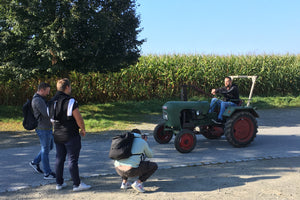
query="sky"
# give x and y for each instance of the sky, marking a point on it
(220, 27)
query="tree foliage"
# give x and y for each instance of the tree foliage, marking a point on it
(85, 35)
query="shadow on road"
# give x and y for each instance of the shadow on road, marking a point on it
(206, 178)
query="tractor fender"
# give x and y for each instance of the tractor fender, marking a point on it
(231, 110)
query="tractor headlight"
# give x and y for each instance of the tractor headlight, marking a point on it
(165, 115)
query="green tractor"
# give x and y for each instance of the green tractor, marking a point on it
(185, 119)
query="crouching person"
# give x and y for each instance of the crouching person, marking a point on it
(135, 165)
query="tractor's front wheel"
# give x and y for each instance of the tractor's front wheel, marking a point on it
(241, 129)
(161, 135)
(185, 141)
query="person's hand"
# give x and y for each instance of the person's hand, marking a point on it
(145, 137)
(213, 91)
(82, 133)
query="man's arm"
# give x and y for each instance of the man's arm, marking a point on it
(232, 93)
(40, 108)
(148, 151)
(79, 120)
(221, 90)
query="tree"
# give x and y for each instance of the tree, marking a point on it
(69, 34)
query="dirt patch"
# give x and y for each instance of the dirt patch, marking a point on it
(264, 179)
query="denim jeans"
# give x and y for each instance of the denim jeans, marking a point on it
(72, 149)
(222, 104)
(46, 140)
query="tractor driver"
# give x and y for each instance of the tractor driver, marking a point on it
(230, 93)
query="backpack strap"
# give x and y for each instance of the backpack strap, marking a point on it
(136, 154)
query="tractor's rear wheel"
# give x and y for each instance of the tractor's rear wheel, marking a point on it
(161, 135)
(241, 129)
(185, 141)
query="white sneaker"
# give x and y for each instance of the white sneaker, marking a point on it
(59, 187)
(81, 187)
(125, 185)
(138, 186)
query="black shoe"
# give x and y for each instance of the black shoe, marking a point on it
(51, 175)
(218, 121)
(36, 167)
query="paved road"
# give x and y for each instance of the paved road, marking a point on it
(278, 136)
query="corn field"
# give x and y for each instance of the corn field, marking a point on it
(162, 76)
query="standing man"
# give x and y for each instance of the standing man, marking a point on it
(135, 166)
(43, 130)
(67, 122)
(231, 98)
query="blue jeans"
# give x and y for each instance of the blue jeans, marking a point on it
(72, 149)
(222, 104)
(46, 140)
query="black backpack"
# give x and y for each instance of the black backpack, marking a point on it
(29, 121)
(55, 108)
(55, 113)
(121, 146)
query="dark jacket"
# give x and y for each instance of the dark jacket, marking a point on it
(65, 125)
(232, 94)
(39, 107)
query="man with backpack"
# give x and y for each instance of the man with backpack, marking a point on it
(67, 120)
(135, 165)
(43, 130)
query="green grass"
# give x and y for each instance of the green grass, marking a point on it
(119, 115)
(275, 102)
(97, 117)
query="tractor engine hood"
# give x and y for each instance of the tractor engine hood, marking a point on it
(172, 110)
(177, 106)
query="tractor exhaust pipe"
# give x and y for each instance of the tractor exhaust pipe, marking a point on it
(183, 94)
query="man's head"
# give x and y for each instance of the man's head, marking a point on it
(227, 81)
(43, 89)
(136, 131)
(64, 85)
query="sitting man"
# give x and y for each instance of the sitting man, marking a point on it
(231, 98)
(135, 165)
